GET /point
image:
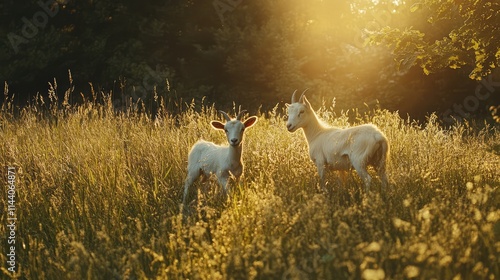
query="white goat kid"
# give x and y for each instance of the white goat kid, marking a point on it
(206, 158)
(339, 149)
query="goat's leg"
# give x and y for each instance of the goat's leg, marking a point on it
(191, 177)
(363, 173)
(321, 172)
(223, 179)
(383, 178)
(381, 172)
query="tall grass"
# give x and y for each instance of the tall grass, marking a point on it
(99, 196)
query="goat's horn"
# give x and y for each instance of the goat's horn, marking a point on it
(241, 115)
(302, 95)
(225, 116)
(293, 97)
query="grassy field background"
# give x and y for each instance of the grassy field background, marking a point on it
(99, 193)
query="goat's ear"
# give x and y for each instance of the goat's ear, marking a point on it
(250, 121)
(217, 124)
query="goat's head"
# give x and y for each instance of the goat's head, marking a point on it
(299, 112)
(234, 128)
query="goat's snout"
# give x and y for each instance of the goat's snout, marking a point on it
(289, 126)
(234, 141)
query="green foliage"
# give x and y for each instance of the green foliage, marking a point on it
(463, 37)
(98, 196)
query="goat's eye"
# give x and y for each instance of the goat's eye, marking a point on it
(225, 130)
(301, 112)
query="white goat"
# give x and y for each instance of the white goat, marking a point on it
(339, 149)
(206, 158)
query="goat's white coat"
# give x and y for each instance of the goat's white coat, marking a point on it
(340, 149)
(206, 158)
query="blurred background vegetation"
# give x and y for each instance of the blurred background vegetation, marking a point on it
(415, 56)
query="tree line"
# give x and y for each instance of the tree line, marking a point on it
(412, 56)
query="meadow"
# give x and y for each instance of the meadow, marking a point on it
(98, 196)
